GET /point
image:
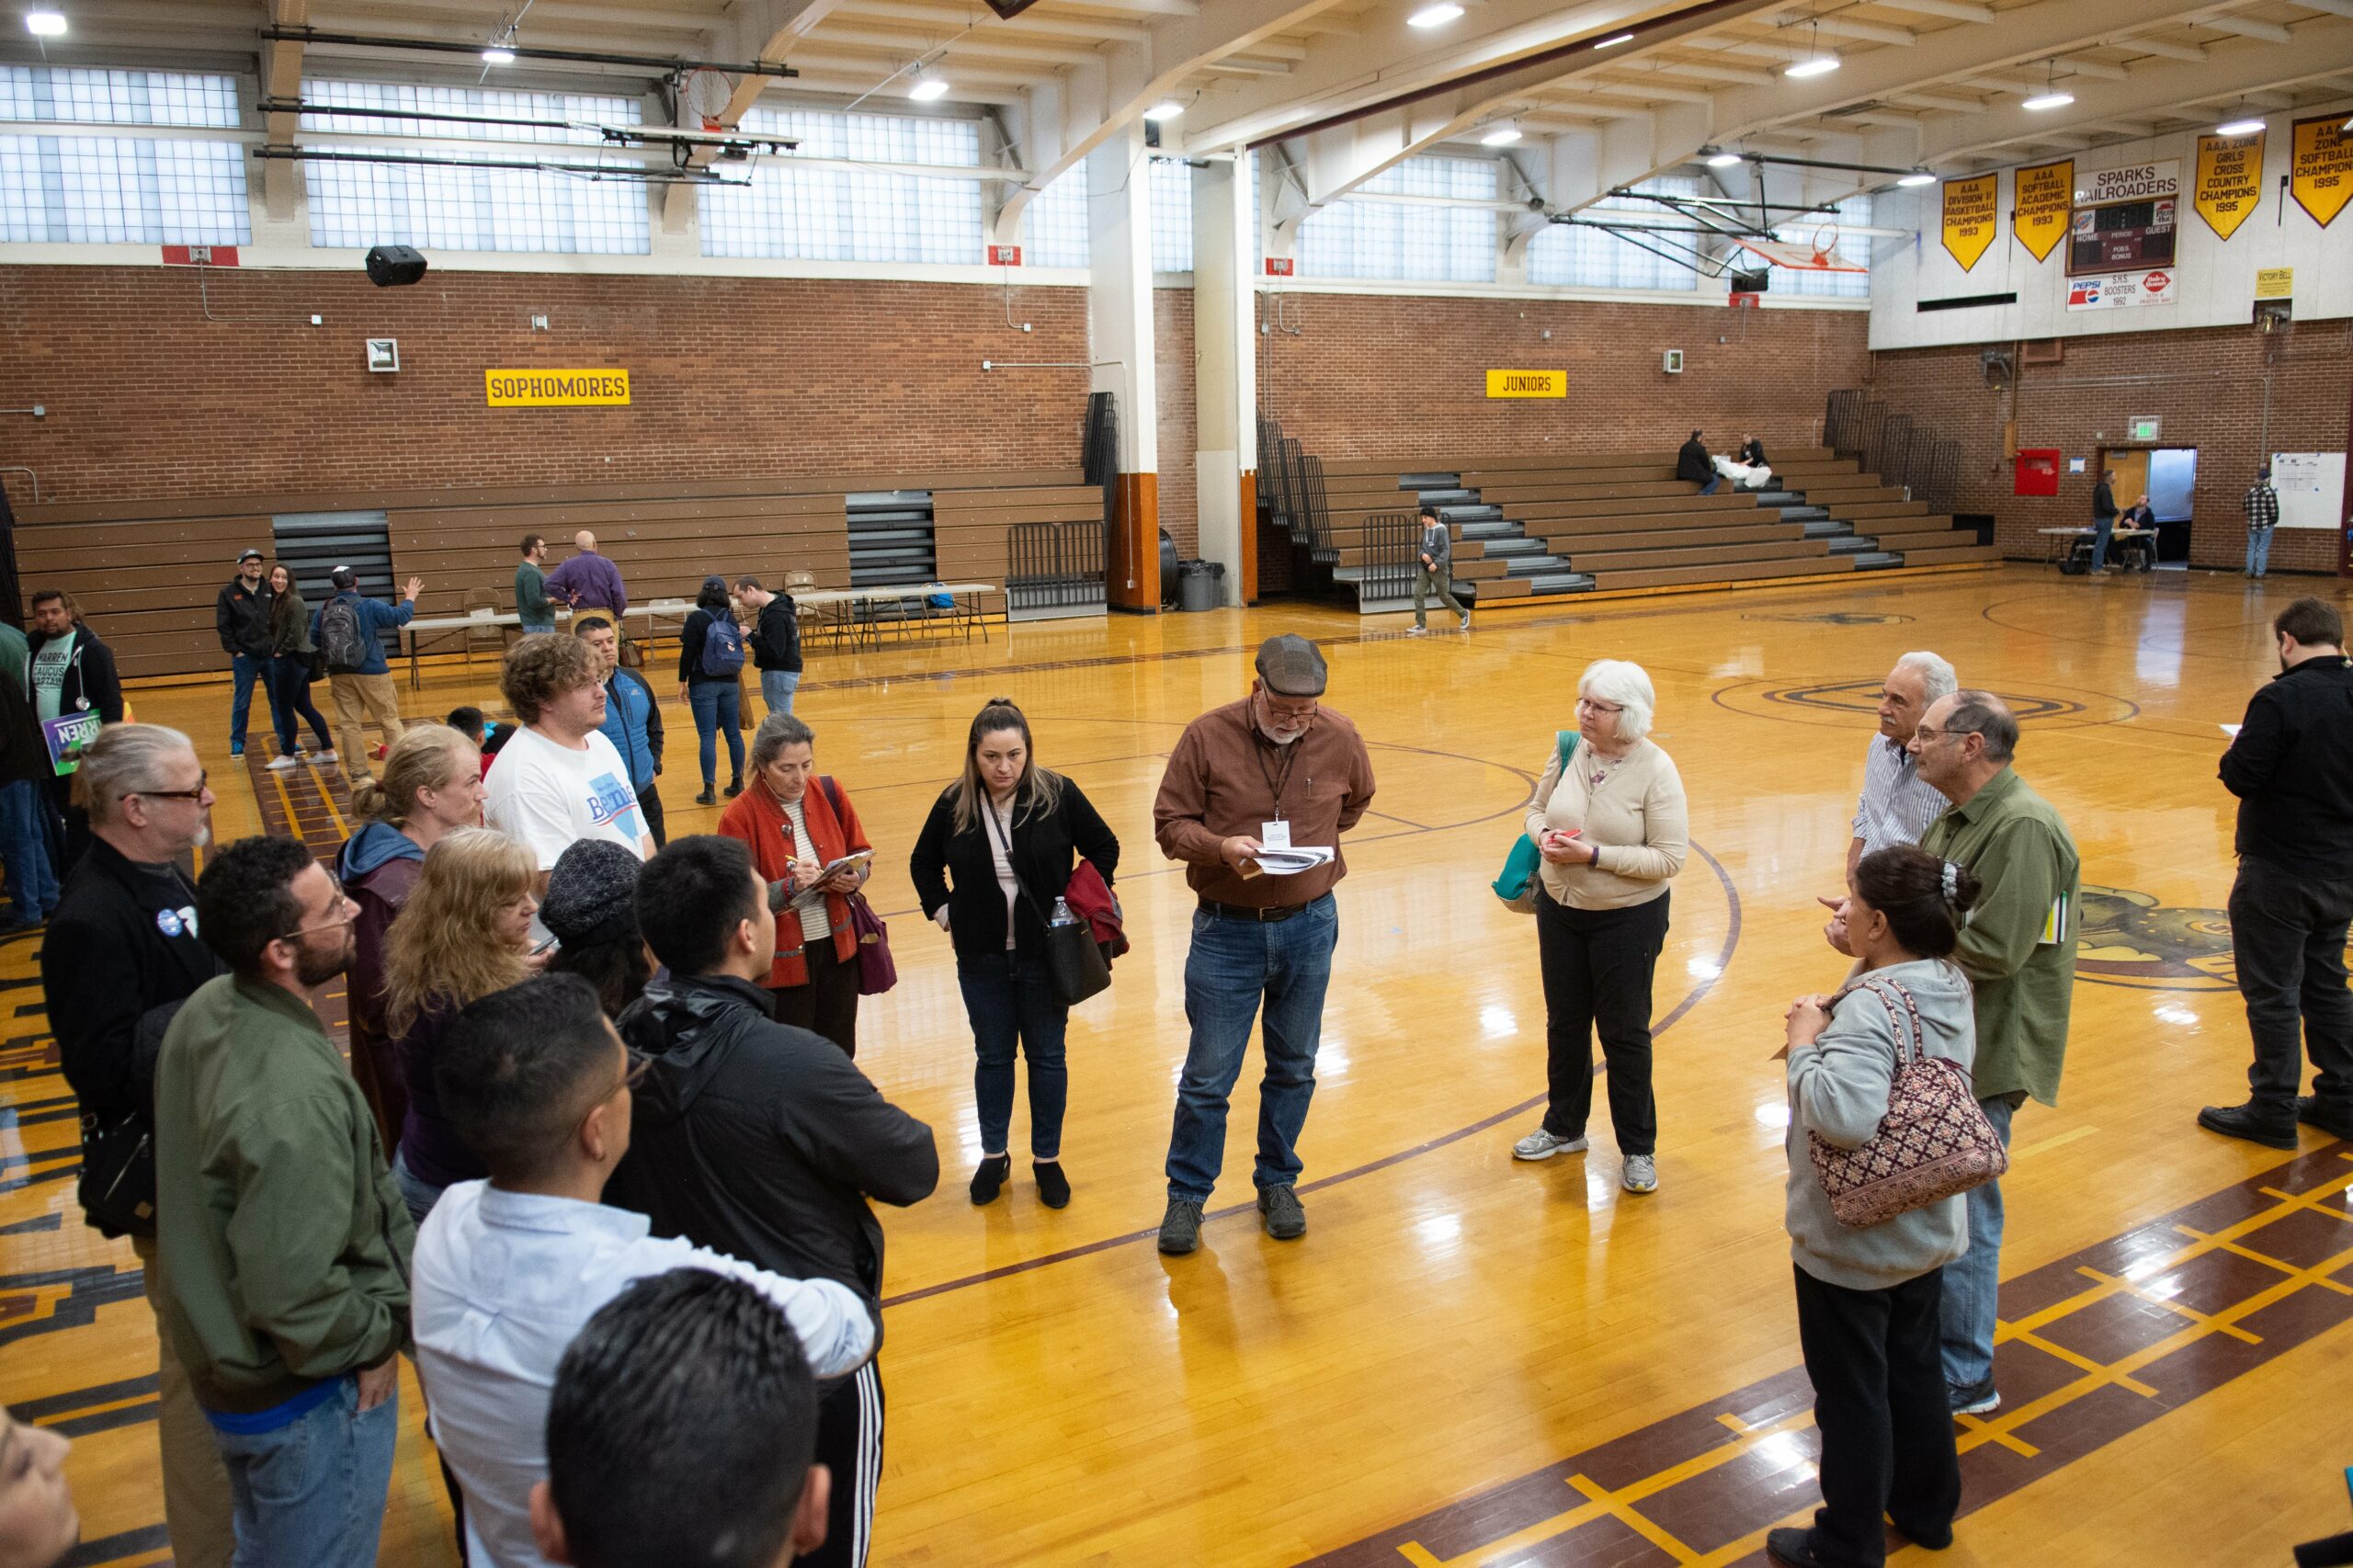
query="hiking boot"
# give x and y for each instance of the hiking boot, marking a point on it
(2246, 1121)
(2335, 1120)
(1543, 1144)
(1180, 1228)
(1640, 1174)
(1279, 1211)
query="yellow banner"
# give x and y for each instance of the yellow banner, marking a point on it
(2041, 196)
(1528, 384)
(600, 386)
(2229, 182)
(1973, 216)
(2320, 172)
(2274, 283)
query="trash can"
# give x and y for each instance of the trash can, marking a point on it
(1201, 585)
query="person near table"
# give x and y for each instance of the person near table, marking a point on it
(1433, 572)
(2291, 767)
(1869, 1297)
(994, 858)
(69, 671)
(710, 683)
(796, 825)
(2262, 506)
(590, 581)
(1751, 451)
(1275, 771)
(632, 720)
(2140, 519)
(2103, 517)
(776, 641)
(288, 675)
(533, 608)
(1693, 463)
(241, 614)
(1613, 828)
(349, 630)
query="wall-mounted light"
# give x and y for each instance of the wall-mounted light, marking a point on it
(1434, 15)
(45, 23)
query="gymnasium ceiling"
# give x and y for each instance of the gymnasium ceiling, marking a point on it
(1346, 88)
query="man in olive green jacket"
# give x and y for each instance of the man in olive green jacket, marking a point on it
(2019, 951)
(284, 1244)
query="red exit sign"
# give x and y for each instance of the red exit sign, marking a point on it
(1004, 256)
(1279, 266)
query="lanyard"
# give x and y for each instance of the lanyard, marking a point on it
(1275, 787)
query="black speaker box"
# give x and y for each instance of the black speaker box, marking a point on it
(1752, 282)
(389, 267)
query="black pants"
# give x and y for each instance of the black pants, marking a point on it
(649, 806)
(849, 1443)
(1598, 967)
(1880, 1405)
(2288, 939)
(828, 1003)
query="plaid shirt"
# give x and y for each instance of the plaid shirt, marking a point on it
(2262, 506)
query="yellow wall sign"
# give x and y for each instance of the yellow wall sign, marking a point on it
(2321, 173)
(2229, 182)
(2042, 196)
(2274, 283)
(601, 386)
(1973, 216)
(1528, 384)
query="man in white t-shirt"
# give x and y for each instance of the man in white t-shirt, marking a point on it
(558, 780)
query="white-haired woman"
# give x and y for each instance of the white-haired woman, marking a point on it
(1611, 827)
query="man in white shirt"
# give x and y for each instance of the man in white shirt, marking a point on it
(1897, 805)
(507, 1271)
(558, 780)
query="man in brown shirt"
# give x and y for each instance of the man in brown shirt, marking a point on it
(1275, 771)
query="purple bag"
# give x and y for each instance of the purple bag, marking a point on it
(876, 970)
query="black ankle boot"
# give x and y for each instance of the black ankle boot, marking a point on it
(990, 1178)
(1053, 1188)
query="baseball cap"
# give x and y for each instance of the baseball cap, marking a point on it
(245, 555)
(1291, 666)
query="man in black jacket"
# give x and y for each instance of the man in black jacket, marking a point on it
(2103, 517)
(120, 956)
(69, 672)
(2291, 767)
(1692, 462)
(776, 641)
(242, 616)
(763, 1141)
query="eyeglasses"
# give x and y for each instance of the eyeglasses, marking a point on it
(347, 912)
(1924, 735)
(638, 1067)
(1595, 705)
(1289, 710)
(197, 794)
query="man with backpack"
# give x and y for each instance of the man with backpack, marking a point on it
(350, 634)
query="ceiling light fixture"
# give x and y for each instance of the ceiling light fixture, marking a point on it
(1501, 136)
(2048, 100)
(1721, 160)
(1917, 176)
(45, 24)
(1165, 110)
(1434, 15)
(928, 85)
(498, 56)
(1820, 65)
(2239, 128)
(1615, 42)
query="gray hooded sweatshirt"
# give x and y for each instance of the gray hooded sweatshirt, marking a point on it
(1839, 1087)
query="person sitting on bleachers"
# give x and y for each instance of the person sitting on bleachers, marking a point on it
(1751, 451)
(1692, 463)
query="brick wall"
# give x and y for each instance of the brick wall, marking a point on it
(1376, 376)
(2208, 387)
(729, 376)
(1172, 336)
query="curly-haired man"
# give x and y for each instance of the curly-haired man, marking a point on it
(559, 780)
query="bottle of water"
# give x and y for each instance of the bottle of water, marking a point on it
(1062, 916)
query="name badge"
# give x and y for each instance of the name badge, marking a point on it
(1275, 834)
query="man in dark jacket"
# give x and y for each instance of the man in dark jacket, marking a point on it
(120, 956)
(241, 615)
(776, 641)
(2291, 767)
(1692, 462)
(632, 719)
(70, 673)
(2103, 517)
(763, 1141)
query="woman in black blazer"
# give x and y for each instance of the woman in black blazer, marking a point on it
(1009, 822)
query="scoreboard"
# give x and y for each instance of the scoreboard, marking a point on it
(2124, 237)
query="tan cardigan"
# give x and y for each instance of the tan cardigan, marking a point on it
(1637, 816)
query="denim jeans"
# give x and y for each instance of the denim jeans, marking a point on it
(24, 851)
(1233, 963)
(777, 687)
(312, 1492)
(243, 670)
(1714, 482)
(1973, 1280)
(2288, 943)
(2101, 529)
(718, 705)
(2258, 550)
(530, 629)
(419, 1194)
(1010, 1001)
(289, 700)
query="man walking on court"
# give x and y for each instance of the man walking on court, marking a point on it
(590, 581)
(1434, 569)
(1276, 770)
(349, 632)
(1897, 805)
(2262, 506)
(2291, 767)
(776, 641)
(2019, 951)
(241, 614)
(531, 604)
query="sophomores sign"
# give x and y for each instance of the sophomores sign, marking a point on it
(601, 387)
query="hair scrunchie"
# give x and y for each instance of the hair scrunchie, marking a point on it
(1953, 883)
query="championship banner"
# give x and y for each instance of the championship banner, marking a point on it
(2229, 182)
(602, 387)
(2320, 172)
(1528, 384)
(2042, 196)
(1971, 216)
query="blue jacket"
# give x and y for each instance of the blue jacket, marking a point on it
(634, 723)
(376, 618)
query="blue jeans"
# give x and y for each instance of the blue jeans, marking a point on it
(1973, 1280)
(531, 628)
(1231, 964)
(718, 705)
(419, 1194)
(1010, 1000)
(2101, 529)
(312, 1492)
(2258, 550)
(24, 851)
(777, 687)
(1715, 482)
(244, 669)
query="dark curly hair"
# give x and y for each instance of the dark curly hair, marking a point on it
(245, 899)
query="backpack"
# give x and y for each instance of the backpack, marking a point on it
(723, 649)
(341, 637)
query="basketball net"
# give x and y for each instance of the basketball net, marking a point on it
(705, 95)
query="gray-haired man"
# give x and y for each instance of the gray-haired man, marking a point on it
(1897, 805)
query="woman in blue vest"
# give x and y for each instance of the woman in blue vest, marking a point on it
(711, 663)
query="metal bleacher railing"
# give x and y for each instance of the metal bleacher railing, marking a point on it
(1390, 557)
(1926, 465)
(1291, 493)
(1054, 567)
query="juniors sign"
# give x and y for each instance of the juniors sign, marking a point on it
(1528, 384)
(600, 387)
(2137, 183)
(2121, 290)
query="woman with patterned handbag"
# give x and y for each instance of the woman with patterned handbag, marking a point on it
(1863, 1067)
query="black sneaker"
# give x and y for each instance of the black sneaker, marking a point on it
(1973, 1399)
(1792, 1548)
(1180, 1228)
(990, 1178)
(1053, 1188)
(2244, 1121)
(1279, 1211)
(2335, 1120)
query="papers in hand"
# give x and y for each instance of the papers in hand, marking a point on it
(1291, 862)
(2231, 731)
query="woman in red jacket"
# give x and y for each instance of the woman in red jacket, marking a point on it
(797, 825)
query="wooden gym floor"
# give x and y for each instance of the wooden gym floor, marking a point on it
(1467, 1360)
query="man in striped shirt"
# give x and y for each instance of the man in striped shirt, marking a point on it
(1897, 806)
(2262, 515)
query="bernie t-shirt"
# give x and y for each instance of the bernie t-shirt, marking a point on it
(550, 797)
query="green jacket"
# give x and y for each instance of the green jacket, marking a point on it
(2026, 860)
(284, 1244)
(531, 595)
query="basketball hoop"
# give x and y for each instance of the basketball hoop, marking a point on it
(1825, 244)
(705, 94)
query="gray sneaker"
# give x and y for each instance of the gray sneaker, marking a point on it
(1542, 1145)
(1278, 1210)
(1180, 1228)
(1640, 1174)
(1466, 620)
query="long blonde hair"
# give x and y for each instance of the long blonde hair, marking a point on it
(426, 756)
(445, 949)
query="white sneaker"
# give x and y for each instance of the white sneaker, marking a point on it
(1542, 1145)
(1640, 1174)
(280, 764)
(1466, 620)
(327, 756)
(1417, 631)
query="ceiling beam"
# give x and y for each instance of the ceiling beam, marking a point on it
(1951, 10)
(2163, 49)
(763, 32)
(281, 79)
(2247, 27)
(2332, 7)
